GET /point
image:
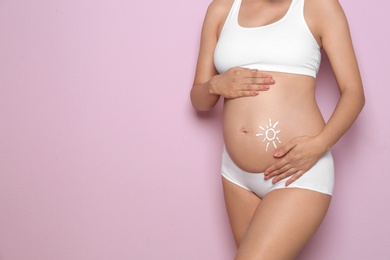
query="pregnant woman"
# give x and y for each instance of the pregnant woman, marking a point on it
(262, 57)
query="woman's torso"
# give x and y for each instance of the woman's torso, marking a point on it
(254, 127)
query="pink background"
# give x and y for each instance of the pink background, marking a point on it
(102, 156)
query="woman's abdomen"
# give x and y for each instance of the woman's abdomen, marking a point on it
(254, 127)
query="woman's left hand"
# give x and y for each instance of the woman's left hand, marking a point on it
(294, 159)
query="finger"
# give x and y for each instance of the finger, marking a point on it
(286, 174)
(252, 73)
(254, 87)
(276, 169)
(258, 87)
(249, 81)
(246, 93)
(260, 74)
(282, 151)
(295, 177)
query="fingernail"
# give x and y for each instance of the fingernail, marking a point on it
(276, 154)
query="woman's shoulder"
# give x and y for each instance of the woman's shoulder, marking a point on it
(219, 8)
(322, 14)
(216, 14)
(323, 8)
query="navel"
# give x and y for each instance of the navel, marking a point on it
(244, 130)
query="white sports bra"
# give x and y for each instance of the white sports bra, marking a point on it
(286, 45)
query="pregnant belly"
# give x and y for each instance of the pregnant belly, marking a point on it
(255, 127)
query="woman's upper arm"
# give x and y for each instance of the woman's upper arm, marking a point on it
(337, 43)
(215, 16)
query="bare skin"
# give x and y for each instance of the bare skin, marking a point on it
(278, 225)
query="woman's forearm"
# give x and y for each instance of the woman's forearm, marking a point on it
(348, 108)
(202, 98)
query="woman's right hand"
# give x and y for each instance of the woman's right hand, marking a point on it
(240, 82)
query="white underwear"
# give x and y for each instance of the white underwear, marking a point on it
(319, 178)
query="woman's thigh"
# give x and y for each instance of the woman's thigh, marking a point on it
(283, 223)
(240, 205)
